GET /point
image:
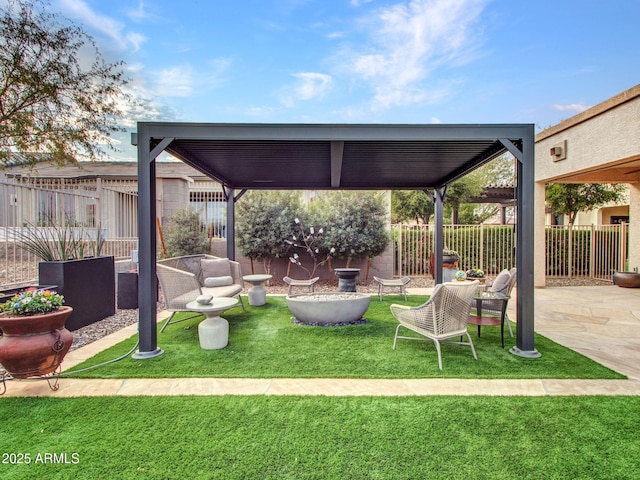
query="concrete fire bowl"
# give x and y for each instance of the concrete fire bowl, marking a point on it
(334, 308)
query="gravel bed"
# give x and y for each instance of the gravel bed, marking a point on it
(85, 335)
(362, 321)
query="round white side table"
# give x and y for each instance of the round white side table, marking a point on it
(213, 331)
(257, 293)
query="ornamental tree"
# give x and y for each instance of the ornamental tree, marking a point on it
(571, 198)
(355, 224)
(411, 205)
(53, 104)
(265, 219)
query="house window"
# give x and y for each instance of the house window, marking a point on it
(212, 209)
(617, 219)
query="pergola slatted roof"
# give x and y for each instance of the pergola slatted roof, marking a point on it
(330, 156)
(289, 165)
(321, 157)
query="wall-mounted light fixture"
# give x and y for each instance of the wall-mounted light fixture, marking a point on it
(558, 151)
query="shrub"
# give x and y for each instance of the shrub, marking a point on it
(265, 220)
(185, 234)
(355, 224)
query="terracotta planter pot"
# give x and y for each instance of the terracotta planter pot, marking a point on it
(34, 345)
(627, 279)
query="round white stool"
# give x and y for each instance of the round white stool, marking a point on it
(213, 333)
(257, 293)
(214, 330)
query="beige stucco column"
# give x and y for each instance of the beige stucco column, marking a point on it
(539, 253)
(173, 194)
(634, 226)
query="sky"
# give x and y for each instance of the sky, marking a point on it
(365, 61)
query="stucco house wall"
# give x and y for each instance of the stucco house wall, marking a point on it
(599, 145)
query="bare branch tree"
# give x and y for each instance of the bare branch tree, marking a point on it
(51, 103)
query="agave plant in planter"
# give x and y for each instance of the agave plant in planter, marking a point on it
(34, 340)
(72, 262)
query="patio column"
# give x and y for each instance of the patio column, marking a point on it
(231, 223)
(634, 225)
(147, 283)
(525, 196)
(438, 246)
(540, 254)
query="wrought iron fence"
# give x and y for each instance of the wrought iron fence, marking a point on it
(490, 248)
(594, 251)
(111, 206)
(83, 206)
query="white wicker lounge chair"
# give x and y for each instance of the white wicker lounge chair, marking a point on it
(181, 281)
(443, 317)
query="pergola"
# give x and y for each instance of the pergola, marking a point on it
(327, 157)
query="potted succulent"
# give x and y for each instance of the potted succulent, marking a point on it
(34, 339)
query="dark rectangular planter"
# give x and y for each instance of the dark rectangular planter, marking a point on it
(128, 290)
(88, 285)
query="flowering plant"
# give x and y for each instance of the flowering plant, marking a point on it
(475, 273)
(310, 243)
(33, 302)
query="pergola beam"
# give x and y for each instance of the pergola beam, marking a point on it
(337, 151)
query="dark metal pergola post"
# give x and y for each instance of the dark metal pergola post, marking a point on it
(439, 240)
(525, 216)
(231, 224)
(147, 289)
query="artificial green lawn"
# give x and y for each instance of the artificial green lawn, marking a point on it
(240, 437)
(264, 343)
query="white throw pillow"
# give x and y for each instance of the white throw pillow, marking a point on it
(218, 281)
(214, 267)
(501, 281)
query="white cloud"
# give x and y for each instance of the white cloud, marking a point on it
(357, 3)
(260, 111)
(217, 68)
(572, 107)
(136, 40)
(138, 13)
(174, 82)
(184, 80)
(310, 86)
(108, 26)
(409, 40)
